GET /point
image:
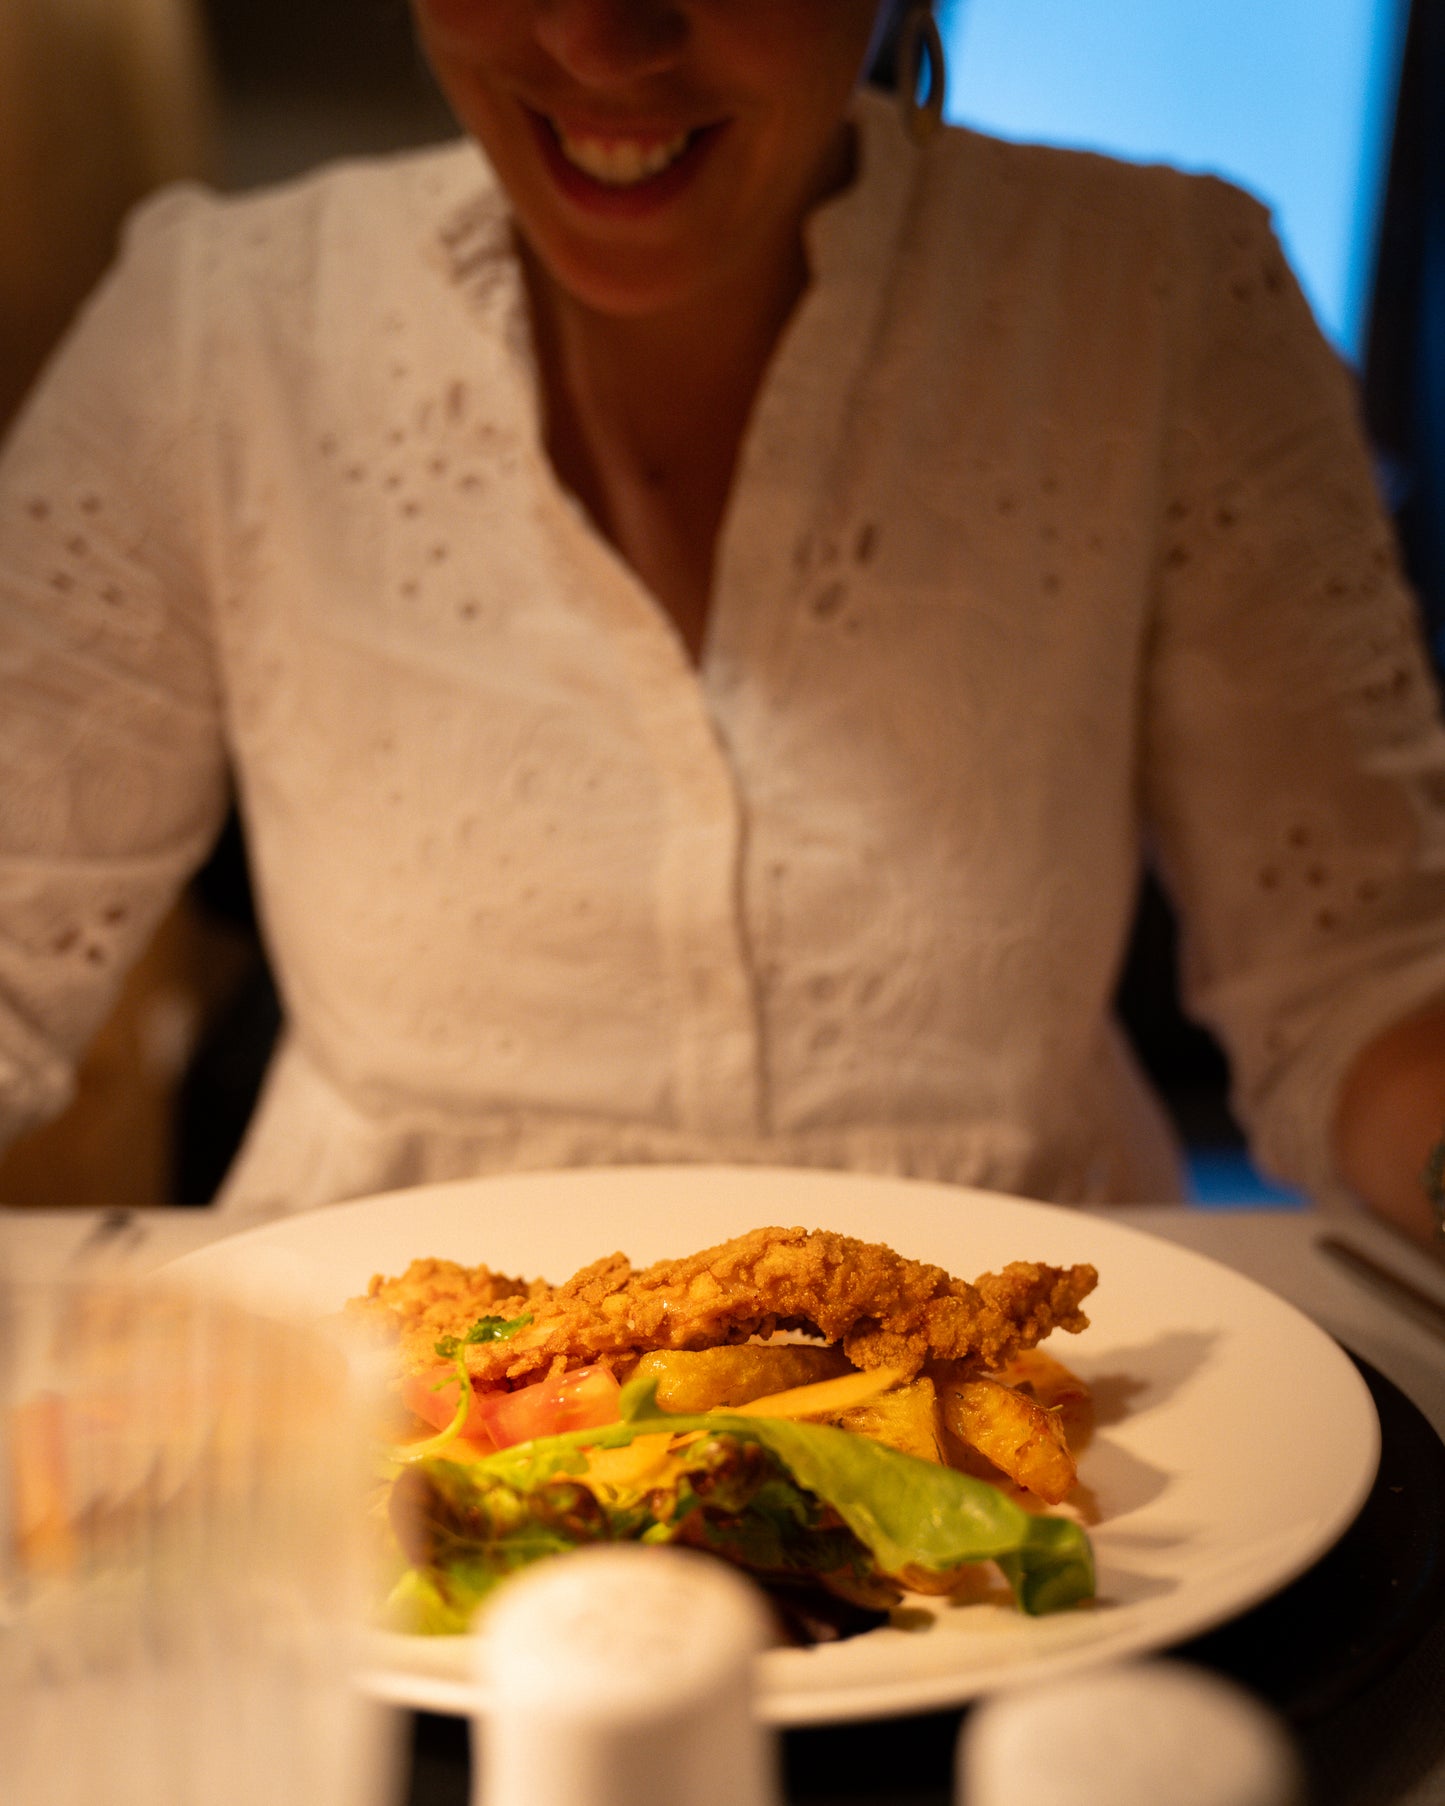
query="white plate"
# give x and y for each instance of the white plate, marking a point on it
(1236, 1440)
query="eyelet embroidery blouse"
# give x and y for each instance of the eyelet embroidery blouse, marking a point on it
(1053, 547)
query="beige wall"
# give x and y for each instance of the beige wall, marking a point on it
(100, 101)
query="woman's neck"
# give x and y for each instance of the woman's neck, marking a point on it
(645, 419)
(655, 386)
(645, 416)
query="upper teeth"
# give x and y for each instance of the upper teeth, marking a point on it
(621, 161)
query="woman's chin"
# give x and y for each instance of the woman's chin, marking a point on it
(626, 283)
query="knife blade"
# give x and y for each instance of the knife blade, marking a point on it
(1392, 1285)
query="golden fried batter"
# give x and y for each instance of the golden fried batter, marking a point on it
(883, 1309)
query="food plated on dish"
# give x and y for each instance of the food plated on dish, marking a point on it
(1203, 1488)
(812, 1408)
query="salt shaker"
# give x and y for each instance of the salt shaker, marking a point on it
(618, 1676)
(1135, 1734)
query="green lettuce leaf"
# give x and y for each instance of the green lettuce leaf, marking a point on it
(903, 1520)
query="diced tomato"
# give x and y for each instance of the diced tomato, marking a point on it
(580, 1400)
(432, 1395)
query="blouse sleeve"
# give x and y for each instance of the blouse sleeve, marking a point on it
(1294, 756)
(112, 774)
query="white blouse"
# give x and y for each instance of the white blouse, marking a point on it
(1053, 545)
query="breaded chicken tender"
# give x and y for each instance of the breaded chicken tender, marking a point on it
(884, 1310)
(436, 1298)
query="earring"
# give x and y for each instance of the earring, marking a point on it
(920, 46)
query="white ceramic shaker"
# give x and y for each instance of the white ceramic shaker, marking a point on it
(622, 1676)
(1136, 1734)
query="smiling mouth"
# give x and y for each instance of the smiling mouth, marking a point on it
(621, 162)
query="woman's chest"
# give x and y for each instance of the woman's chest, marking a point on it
(926, 647)
(479, 692)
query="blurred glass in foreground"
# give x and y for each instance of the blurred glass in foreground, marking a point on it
(183, 1559)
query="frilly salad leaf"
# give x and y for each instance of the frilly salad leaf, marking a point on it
(779, 1498)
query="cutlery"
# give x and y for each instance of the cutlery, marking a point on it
(1385, 1280)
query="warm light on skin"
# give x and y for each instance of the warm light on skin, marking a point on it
(1391, 1113)
(757, 88)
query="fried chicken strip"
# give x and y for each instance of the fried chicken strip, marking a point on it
(884, 1309)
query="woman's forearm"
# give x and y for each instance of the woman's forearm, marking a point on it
(1391, 1116)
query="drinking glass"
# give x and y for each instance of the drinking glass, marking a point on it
(183, 1555)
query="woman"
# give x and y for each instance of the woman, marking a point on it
(704, 604)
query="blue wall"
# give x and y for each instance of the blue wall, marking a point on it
(1291, 98)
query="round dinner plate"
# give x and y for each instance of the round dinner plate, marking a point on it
(1235, 1440)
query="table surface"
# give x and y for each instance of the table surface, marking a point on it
(1383, 1745)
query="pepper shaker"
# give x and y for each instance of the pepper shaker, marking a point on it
(1136, 1734)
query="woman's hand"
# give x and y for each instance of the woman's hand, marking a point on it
(1390, 1118)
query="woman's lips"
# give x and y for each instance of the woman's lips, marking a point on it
(623, 174)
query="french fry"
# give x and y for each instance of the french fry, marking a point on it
(1012, 1431)
(905, 1419)
(705, 1379)
(1025, 1421)
(1057, 1389)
